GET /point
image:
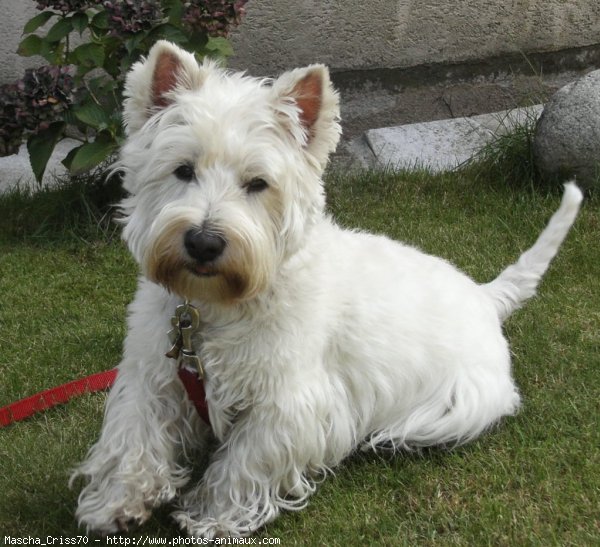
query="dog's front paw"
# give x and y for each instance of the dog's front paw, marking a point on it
(205, 528)
(112, 521)
(120, 525)
(111, 509)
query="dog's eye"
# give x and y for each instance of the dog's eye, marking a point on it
(256, 185)
(185, 172)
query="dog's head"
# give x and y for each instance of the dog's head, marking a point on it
(223, 171)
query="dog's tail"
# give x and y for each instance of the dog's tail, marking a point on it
(518, 282)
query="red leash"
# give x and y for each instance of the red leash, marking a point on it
(24, 408)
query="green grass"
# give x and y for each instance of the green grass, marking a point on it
(535, 480)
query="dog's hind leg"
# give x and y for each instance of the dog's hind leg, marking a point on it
(473, 406)
(460, 405)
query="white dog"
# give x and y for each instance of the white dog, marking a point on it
(313, 340)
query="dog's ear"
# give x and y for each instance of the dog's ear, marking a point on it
(308, 106)
(151, 82)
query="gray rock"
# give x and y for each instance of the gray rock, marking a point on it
(567, 137)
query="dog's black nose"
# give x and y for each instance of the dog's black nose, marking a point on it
(203, 246)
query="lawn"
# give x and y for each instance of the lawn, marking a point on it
(534, 480)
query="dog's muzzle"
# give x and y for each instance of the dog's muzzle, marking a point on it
(204, 248)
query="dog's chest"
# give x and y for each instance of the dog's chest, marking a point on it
(245, 360)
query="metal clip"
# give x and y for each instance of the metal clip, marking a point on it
(185, 323)
(192, 361)
(189, 322)
(175, 338)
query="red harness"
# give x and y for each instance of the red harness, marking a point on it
(44, 400)
(195, 390)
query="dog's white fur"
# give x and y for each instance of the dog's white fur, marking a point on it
(315, 340)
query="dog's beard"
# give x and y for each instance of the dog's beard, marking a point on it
(244, 270)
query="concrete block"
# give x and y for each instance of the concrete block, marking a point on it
(442, 144)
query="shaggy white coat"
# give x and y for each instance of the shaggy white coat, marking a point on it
(315, 340)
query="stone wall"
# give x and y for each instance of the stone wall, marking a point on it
(359, 34)
(373, 34)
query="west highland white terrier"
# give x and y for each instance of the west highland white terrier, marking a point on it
(310, 340)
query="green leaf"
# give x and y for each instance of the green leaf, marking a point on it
(101, 85)
(197, 41)
(219, 46)
(52, 52)
(80, 21)
(68, 159)
(133, 43)
(100, 20)
(89, 55)
(93, 115)
(91, 154)
(32, 45)
(40, 147)
(168, 32)
(175, 12)
(37, 21)
(59, 30)
(69, 117)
